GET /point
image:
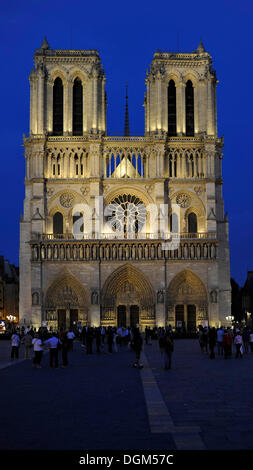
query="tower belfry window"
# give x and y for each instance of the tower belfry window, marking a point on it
(58, 107)
(172, 115)
(189, 108)
(77, 107)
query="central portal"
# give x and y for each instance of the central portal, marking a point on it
(128, 316)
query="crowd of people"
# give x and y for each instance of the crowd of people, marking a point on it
(222, 340)
(109, 340)
(92, 339)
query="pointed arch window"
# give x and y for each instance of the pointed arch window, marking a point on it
(77, 107)
(192, 223)
(58, 223)
(58, 107)
(172, 110)
(189, 108)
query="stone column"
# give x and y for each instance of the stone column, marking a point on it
(41, 75)
(180, 109)
(70, 106)
(196, 109)
(49, 107)
(65, 108)
(33, 104)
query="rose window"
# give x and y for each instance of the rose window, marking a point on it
(126, 214)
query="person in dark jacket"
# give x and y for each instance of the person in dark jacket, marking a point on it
(168, 350)
(137, 347)
(212, 338)
(110, 336)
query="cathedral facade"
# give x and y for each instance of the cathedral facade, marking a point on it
(123, 230)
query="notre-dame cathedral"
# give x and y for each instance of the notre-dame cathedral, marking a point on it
(123, 230)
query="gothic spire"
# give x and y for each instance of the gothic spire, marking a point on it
(127, 130)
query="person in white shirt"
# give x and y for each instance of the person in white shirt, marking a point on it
(220, 334)
(15, 343)
(54, 345)
(38, 351)
(71, 337)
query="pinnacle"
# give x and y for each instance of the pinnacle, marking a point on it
(200, 48)
(45, 44)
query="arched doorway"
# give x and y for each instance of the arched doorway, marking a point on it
(188, 301)
(128, 297)
(66, 302)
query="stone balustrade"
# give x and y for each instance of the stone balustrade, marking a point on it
(72, 250)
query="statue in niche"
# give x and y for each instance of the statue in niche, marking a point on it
(185, 251)
(101, 252)
(94, 252)
(114, 252)
(94, 297)
(152, 251)
(146, 251)
(107, 252)
(127, 252)
(133, 252)
(49, 252)
(160, 297)
(140, 252)
(205, 251)
(62, 252)
(87, 252)
(213, 296)
(74, 252)
(68, 252)
(159, 251)
(120, 252)
(198, 252)
(192, 251)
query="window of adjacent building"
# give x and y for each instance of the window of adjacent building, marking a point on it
(192, 223)
(77, 107)
(172, 114)
(58, 107)
(58, 223)
(189, 108)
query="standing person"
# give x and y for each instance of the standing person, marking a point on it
(64, 350)
(115, 341)
(15, 343)
(251, 340)
(89, 340)
(53, 350)
(137, 347)
(220, 334)
(161, 340)
(98, 339)
(245, 338)
(102, 337)
(71, 337)
(201, 338)
(110, 339)
(227, 344)
(212, 337)
(168, 350)
(27, 341)
(239, 345)
(205, 339)
(38, 351)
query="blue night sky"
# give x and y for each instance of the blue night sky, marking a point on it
(126, 35)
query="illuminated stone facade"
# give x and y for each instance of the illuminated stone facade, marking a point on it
(70, 161)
